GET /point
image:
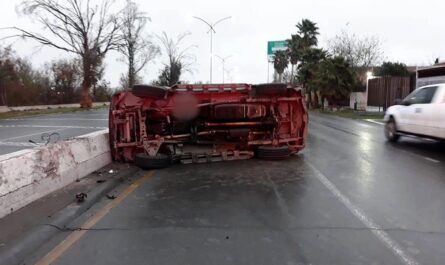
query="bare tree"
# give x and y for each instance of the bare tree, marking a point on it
(137, 49)
(179, 60)
(123, 81)
(81, 27)
(360, 52)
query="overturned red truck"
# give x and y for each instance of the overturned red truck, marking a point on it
(156, 126)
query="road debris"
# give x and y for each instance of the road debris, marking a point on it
(49, 138)
(99, 173)
(31, 141)
(81, 196)
(111, 197)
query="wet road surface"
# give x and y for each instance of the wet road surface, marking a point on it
(348, 198)
(15, 133)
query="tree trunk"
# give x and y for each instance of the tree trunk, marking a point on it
(309, 99)
(280, 77)
(2, 95)
(86, 101)
(316, 105)
(130, 78)
(131, 71)
(88, 74)
(292, 74)
(308, 95)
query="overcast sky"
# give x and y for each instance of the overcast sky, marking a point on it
(412, 32)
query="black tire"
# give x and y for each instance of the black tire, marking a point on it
(144, 161)
(270, 89)
(391, 131)
(149, 91)
(269, 152)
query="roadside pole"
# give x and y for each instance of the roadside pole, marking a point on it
(272, 47)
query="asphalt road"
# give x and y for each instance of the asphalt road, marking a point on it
(349, 198)
(15, 133)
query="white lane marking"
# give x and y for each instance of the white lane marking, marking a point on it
(367, 221)
(431, 159)
(418, 156)
(373, 121)
(19, 144)
(51, 126)
(28, 135)
(56, 119)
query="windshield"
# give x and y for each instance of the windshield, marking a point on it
(422, 95)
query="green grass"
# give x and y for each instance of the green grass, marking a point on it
(28, 113)
(351, 114)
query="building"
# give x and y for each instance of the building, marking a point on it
(431, 75)
(360, 99)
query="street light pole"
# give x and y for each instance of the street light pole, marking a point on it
(211, 55)
(223, 61)
(211, 30)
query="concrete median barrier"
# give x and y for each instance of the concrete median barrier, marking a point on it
(28, 175)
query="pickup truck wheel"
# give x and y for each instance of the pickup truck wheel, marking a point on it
(145, 161)
(391, 131)
(268, 152)
(270, 89)
(149, 91)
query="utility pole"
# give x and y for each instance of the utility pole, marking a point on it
(223, 61)
(211, 30)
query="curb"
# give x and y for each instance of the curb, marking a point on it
(31, 240)
(375, 121)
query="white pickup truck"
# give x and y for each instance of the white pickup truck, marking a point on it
(421, 113)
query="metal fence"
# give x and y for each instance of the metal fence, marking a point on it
(383, 91)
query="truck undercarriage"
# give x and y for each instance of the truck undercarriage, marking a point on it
(155, 126)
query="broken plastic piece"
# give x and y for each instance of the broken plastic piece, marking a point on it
(81, 196)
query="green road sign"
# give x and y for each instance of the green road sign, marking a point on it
(273, 46)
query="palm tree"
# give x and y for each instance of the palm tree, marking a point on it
(280, 62)
(308, 31)
(294, 49)
(334, 79)
(310, 59)
(303, 40)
